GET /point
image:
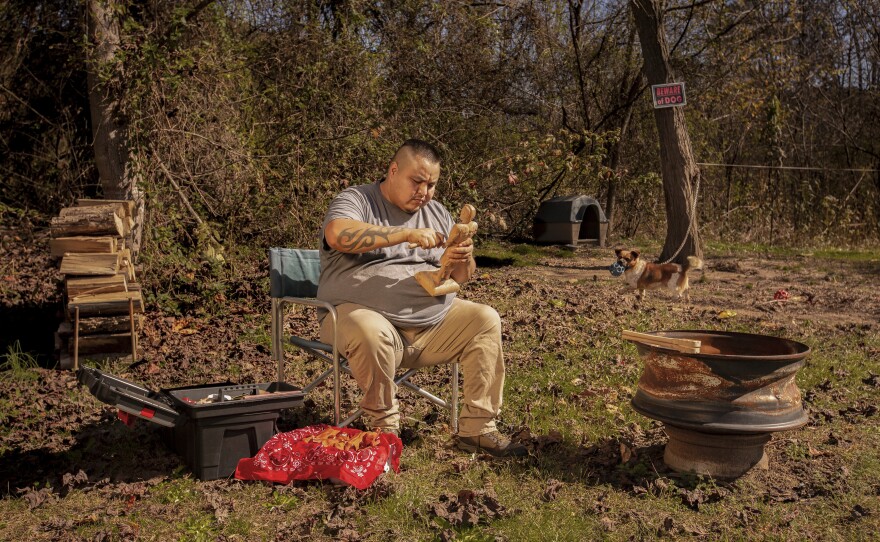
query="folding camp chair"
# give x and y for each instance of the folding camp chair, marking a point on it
(293, 280)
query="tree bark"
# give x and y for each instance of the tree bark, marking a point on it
(678, 167)
(108, 126)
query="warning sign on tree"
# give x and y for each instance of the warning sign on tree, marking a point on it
(668, 95)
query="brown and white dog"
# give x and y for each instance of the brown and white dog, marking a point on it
(641, 275)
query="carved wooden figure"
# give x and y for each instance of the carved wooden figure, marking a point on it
(439, 282)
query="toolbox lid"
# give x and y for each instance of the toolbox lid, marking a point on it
(129, 397)
(176, 406)
(223, 400)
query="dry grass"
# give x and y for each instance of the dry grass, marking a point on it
(596, 471)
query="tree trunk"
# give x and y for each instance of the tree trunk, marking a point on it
(108, 127)
(678, 167)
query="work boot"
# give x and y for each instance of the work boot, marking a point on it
(492, 443)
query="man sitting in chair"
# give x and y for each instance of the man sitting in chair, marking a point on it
(387, 320)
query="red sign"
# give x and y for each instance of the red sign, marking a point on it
(668, 95)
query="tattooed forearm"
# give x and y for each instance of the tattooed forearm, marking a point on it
(362, 239)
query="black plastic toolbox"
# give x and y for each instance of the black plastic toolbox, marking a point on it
(211, 436)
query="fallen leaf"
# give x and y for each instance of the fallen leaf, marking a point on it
(626, 453)
(71, 481)
(552, 490)
(858, 512)
(183, 327)
(552, 438)
(667, 526)
(220, 506)
(693, 499)
(36, 498)
(468, 508)
(817, 453)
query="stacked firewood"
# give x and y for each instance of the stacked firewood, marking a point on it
(102, 297)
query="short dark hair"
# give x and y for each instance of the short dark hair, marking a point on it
(421, 148)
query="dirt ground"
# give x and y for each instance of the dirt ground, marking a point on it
(56, 440)
(840, 294)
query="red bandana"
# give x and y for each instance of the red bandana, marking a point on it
(321, 452)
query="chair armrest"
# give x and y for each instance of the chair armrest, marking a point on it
(312, 302)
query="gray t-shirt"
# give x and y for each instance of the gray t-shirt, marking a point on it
(384, 279)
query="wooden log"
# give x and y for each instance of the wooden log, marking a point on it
(128, 205)
(103, 344)
(81, 244)
(126, 272)
(126, 210)
(119, 209)
(65, 361)
(127, 265)
(94, 210)
(687, 346)
(101, 224)
(105, 304)
(77, 286)
(90, 264)
(101, 325)
(76, 339)
(65, 329)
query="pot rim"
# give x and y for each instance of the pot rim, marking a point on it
(804, 352)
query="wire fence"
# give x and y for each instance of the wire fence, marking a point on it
(790, 205)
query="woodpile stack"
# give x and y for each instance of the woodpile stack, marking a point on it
(103, 299)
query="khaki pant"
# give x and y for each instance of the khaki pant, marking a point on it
(470, 334)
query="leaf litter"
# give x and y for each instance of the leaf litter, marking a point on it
(59, 437)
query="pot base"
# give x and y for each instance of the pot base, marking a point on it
(716, 455)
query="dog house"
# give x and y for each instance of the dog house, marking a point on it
(571, 220)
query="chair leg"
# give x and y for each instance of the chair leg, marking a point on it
(426, 394)
(454, 410)
(322, 377)
(337, 389)
(277, 347)
(402, 380)
(357, 414)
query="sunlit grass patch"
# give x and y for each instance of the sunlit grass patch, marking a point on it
(491, 254)
(849, 255)
(18, 364)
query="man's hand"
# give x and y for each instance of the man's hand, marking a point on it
(457, 254)
(424, 238)
(461, 261)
